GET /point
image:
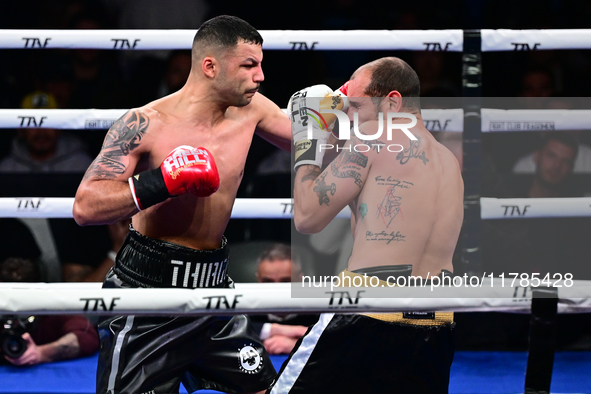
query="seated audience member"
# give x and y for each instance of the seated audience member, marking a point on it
(38, 149)
(51, 337)
(280, 332)
(582, 164)
(554, 163)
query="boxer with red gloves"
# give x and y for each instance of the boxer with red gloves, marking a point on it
(184, 170)
(180, 200)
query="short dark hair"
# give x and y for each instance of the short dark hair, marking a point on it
(15, 269)
(390, 73)
(562, 137)
(225, 31)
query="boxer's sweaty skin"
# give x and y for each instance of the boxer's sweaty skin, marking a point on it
(143, 137)
(407, 207)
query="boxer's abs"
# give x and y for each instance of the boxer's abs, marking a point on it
(198, 223)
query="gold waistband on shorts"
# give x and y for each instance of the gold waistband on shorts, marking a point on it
(439, 318)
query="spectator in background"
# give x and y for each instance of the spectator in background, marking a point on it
(53, 337)
(554, 163)
(537, 82)
(582, 165)
(42, 149)
(280, 332)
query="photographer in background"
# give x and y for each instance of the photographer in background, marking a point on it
(52, 337)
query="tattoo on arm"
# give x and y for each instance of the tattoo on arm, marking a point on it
(124, 136)
(413, 151)
(322, 190)
(347, 165)
(312, 173)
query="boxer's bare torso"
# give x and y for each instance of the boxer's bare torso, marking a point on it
(407, 207)
(143, 137)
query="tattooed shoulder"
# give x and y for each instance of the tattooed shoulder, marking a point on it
(123, 137)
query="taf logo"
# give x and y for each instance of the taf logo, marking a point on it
(31, 121)
(521, 46)
(93, 304)
(302, 45)
(28, 203)
(436, 46)
(35, 42)
(216, 302)
(123, 43)
(342, 296)
(249, 358)
(436, 125)
(513, 210)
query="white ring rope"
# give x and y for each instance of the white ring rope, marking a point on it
(281, 208)
(493, 120)
(443, 40)
(255, 298)
(433, 40)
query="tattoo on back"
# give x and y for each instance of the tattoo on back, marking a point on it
(413, 151)
(124, 136)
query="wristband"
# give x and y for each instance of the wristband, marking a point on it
(148, 188)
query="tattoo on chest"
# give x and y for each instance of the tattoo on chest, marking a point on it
(389, 208)
(413, 151)
(393, 236)
(124, 136)
(347, 165)
(322, 190)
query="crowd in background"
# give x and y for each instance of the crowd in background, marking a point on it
(43, 162)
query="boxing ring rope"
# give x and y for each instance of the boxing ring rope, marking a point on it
(436, 40)
(449, 120)
(252, 298)
(281, 208)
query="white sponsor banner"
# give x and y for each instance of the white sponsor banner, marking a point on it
(524, 208)
(417, 40)
(36, 207)
(535, 40)
(37, 298)
(97, 39)
(69, 119)
(451, 120)
(297, 40)
(501, 120)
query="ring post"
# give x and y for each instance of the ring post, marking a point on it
(542, 340)
(471, 251)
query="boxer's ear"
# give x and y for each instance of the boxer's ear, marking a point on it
(210, 67)
(394, 101)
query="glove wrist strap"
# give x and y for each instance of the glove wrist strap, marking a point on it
(148, 188)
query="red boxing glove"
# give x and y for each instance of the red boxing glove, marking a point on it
(184, 170)
(343, 90)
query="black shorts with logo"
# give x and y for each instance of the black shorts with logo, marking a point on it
(145, 354)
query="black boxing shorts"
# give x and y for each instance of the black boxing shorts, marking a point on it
(145, 354)
(371, 353)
